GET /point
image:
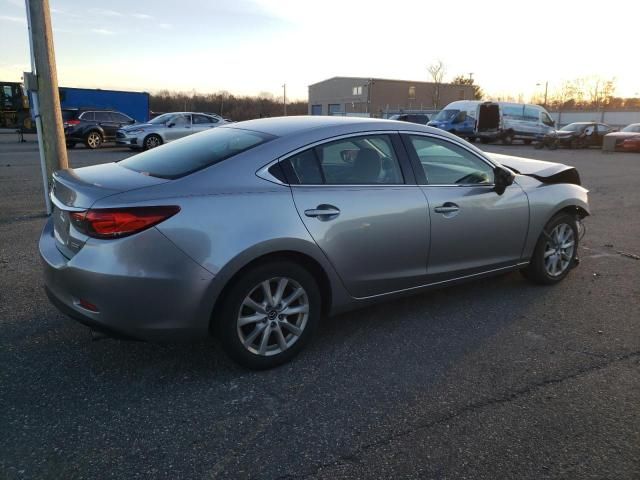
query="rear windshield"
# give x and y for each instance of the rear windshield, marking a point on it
(69, 115)
(185, 156)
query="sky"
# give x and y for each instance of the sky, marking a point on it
(253, 46)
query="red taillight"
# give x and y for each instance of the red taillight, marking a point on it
(120, 222)
(70, 123)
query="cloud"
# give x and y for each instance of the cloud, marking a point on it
(105, 13)
(142, 16)
(103, 31)
(10, 18)
(165, 26)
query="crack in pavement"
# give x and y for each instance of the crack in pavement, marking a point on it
(353, 456)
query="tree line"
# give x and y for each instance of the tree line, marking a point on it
(225, 104)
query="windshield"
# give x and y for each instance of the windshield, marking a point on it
(193, 153)
(573, 127)
(164, 118)
(634, 128)
(446, 115)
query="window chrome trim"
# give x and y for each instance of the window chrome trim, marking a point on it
(265, 175)
(263, 172)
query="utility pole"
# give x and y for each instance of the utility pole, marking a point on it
(546, 90)
(46, 99)
(284, 98)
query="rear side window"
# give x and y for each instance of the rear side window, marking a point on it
(102, 116)
(366, 160)
(89, 116)
(185, 156)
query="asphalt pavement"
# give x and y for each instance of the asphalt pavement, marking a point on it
(493, 379)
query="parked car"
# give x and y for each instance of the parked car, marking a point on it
(631, 144)
(630, 131)
(165, 128)
(93, 127)
(490, 121)
(255, 230)
(420, 118)
(578, 135)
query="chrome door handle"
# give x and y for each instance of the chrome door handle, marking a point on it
(323, 211)
(447, 208)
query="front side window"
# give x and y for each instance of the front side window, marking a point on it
(181, 120)
(120, 117)
(546, 119)
(366, 160)
(445, 163)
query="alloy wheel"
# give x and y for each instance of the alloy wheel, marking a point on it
(559, 249)
(273, 316)
(152, 142)
(94, 140)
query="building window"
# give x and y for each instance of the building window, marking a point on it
(412, 93)
(316, 109)
(357, 90)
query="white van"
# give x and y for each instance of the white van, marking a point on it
(494, 120)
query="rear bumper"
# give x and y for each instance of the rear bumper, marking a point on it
(144, 287)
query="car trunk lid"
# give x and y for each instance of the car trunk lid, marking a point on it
(75, 190)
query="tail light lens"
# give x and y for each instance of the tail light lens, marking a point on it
(71, 123)
(120, 222)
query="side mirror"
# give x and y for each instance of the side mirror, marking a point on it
(502, 179)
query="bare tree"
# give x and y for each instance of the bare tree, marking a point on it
(437, 71)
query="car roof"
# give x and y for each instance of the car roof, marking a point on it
(285, 126)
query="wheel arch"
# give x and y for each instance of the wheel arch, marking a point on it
(311, 264)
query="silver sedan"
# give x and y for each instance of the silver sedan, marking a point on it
(165, 128)
(256, 230)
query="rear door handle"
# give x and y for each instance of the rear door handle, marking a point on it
(447, 208)
(323, 211)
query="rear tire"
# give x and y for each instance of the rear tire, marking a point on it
(507, 139)
(484, 140)
(527, 142)
(556, 251)
(255, 328)
(93, 140)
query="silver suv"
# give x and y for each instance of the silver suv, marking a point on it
(165, 128)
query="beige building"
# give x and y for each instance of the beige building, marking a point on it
(378, 96)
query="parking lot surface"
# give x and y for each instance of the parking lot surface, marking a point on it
(492, 379)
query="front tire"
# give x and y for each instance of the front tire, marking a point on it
(556, 251)
(269, 314)
(152, 141)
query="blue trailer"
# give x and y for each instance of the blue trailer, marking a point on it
(134, 104)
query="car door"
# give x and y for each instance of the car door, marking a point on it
(179, 126)
(602, 130)
(473, 228)
(107, 124)
(358, 199)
